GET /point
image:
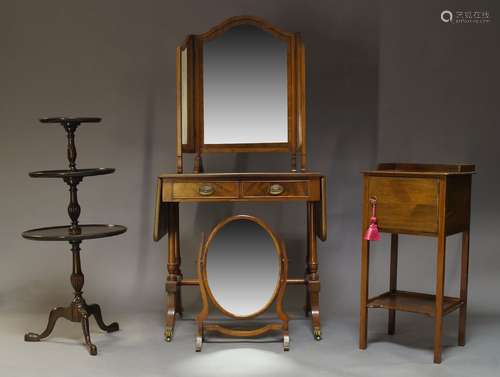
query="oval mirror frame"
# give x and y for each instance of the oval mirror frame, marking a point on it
(282, 268)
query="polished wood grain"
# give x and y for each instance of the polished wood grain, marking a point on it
(413, 302)
(308, 187)
(243, 187)
(427, 168)
(419, 199)
(179, 145)
(440, 273)
(78, 310)
(301, 103)
(393, 281)
(189, 146)
(365, 269)
(206, 189)
(200, 187)
(457, 203)
(406, 204)
(464, 280)
(260, 189)
(321, 211)
(312, 273)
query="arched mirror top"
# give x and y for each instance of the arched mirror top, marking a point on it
(240, 88)
(257, 22)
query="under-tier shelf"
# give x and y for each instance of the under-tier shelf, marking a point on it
(413, 302)
(62, 233)
(67, 173)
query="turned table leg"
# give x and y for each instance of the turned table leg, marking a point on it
(178, 301)
(172, 285)
(463, 288)
(313, 285)
(393, 279)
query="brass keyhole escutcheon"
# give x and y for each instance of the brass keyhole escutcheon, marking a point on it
(276, 189)
(206, 190)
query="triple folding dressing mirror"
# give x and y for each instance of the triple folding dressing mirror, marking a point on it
(240, 88)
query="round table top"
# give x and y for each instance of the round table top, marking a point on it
(66, 173)
(61, 233)
(67, 120)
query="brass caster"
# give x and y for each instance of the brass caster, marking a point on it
(317, 333)
(286, 343)
(198, 343)
(168, 335)
(31, 337)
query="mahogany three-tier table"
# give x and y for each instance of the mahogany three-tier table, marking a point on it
(75, 233)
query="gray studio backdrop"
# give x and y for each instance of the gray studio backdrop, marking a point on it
(387, 81)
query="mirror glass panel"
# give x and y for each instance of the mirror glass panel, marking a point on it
(245, 87)
(242, 267)
(184, 97)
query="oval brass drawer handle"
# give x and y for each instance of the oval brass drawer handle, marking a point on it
(206, 190)
(276, 189)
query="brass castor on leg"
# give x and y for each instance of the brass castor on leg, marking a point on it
(286, 343)
(317, 333)
(198, 343)
(168, 335)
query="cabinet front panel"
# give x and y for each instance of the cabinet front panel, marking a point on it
(406, 204)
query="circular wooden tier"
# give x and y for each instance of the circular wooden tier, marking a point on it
(66, 120)
(61, 233)
(71, 173)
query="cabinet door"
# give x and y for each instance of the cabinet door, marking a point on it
(406, 205)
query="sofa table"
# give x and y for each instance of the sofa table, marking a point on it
(173, 189)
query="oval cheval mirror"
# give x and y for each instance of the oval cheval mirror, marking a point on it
(242, 270)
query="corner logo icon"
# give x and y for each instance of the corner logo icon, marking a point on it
(446, 16)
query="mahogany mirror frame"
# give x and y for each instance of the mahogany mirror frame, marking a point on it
(208, 298)
(189, 60)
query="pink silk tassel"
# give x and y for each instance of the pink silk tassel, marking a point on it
(372, 233)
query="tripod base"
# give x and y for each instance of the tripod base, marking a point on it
(76, 312)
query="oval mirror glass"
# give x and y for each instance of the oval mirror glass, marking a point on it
(243, 268)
